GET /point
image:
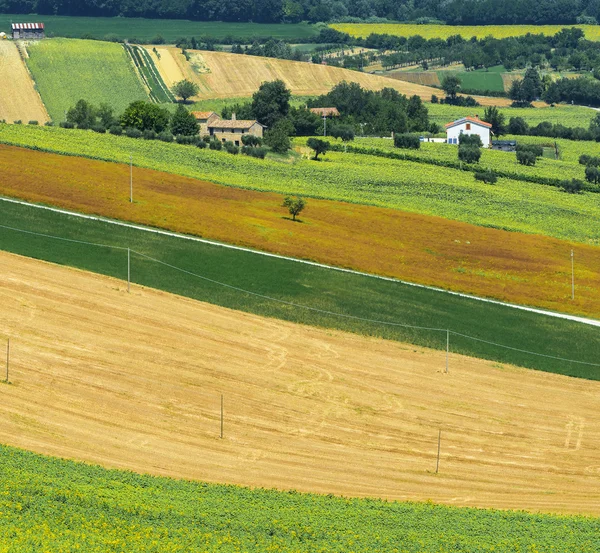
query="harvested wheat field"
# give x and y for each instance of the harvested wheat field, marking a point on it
(134, 381)
(19, 101)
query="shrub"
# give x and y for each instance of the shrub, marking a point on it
(535, 149)
(525, 157)
(100, 129)
(589, 161)
(345, 132)
(165, 136)
(407, 141)
(434, 99)
(18, 122)
(469, 153)
(117, 130)
(489, 177)
(573, 186)
(149, 134)
(260, 153)
(132, 132)
(48, 124)
(202, 144)
(191, 140)
(251, 140)
(33, 122)
(215, 144)
(231, 148)
(470, 140)
(518, 125)
(67, 125)
(592, 174)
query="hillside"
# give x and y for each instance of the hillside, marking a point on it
(224, 75)
(134, 381)
(19, 99)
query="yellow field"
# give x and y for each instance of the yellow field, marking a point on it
(592, 32)
(18, 98)
(134, 381)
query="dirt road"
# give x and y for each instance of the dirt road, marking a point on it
(134, 381)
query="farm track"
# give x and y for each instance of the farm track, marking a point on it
(134, 381)
(518, 268)
(19, 100)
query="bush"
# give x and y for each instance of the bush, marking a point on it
(489, 177)
(67, 125)
(470, 140)
(215, 144)
(100, 129)
(18, 122)
(535, 149)
(165, 136)
(592, 174)
(33, 122)
(407, 141)
(149, 134)
(191, 140)
(434, 99)
(48, 124)
(202, 144)
(345, 132)
(117, 130)
(469, 153)
(132, 132)
(260, 153)
(589, 161)
(525, 157)
(518, 125)
(231, 148)
(573, 186)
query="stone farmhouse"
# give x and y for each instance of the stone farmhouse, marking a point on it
(204, 118)
(469, 125)
(227, 130)
(30, 31)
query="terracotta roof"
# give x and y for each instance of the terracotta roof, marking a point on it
(326, 111)
(470, 120)
(235, 124)
(28, 26)
(203, 114)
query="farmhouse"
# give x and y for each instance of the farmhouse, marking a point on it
(234, 129)
(468, 126)
(28, 30)
(204, 118)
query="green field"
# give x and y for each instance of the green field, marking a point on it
(365, 179)
(569, 116)
(478, 80)
(144, 30)
(592, 32)
(159, 92)
(66, 71)
(335, 299)
(49, 504)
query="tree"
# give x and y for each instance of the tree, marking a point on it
(184, 123)
(144, 115)
(573, 186)
(525, 157)
(83, 114)
(345, 132)
(407, 141)
(271, 102)
(319, 146)
(305, 121)
(106, 115)
(451, 86)
(185, 89)
(278, 137)
(518, 125)
(295, 205)
(469, 153)
(493, 116)
(592, 174)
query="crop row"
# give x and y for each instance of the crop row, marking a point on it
(364, 179)
(159, 92)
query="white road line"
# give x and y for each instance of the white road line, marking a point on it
(575, 318)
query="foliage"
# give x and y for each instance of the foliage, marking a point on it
(82, 114)
(470, 140)
(592, 174)
(529, 88)
(305, 121)
(278, 137)
(469, 153)
(345, 132)
(183, 122)
(295, 205)
(489, 177)
(493, 116)
(451, 85)
(104, 75)
(251, 140)
(271, 102)
(407, 141)
(525, 157)
(436, 187)
(143, 115)
(535, 149)
(319, 146)
(583, 90)
(185, 89)
(573, 186)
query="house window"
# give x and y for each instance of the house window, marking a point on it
(237, 142)
(232, 130)
(468, 126)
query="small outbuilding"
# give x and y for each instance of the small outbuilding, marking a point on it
(504, 145)
(469, 126)
(29, 31)
(325, 112)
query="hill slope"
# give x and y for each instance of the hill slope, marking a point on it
(19, 99)
(134, 381)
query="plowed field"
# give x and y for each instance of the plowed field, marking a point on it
(18, 98)
(520, 268)
(134, 381)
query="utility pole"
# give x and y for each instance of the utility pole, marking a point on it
(324, 125)
(572, 276)
(130, 179)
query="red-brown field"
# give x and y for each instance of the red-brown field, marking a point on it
(514, 267)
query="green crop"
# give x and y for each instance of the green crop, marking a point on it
(66, 71)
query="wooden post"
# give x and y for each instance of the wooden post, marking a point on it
(437, 465)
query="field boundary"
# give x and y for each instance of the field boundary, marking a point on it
(574, 318)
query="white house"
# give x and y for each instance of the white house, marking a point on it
(469, 125)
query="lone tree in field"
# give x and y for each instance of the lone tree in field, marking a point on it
(318, 145)
(185, 89)
(451, 86)
(294, 205)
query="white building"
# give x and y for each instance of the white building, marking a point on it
(469, 125)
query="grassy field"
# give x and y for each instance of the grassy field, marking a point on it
(144, 30)
(418, 188)
(477, 80)
(569, 116)
(105, 74)
(592, 32)
(328, 292)
(417, 248)
(50, 503)
(20, 100)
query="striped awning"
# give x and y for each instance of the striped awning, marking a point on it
(27, 26)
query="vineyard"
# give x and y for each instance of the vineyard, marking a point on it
(60, 504)
(159, 92)
(325, 293)
(417, 187)
(592, 32)
(430, 246)
(105, 74)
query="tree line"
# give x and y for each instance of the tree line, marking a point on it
(454, 12)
